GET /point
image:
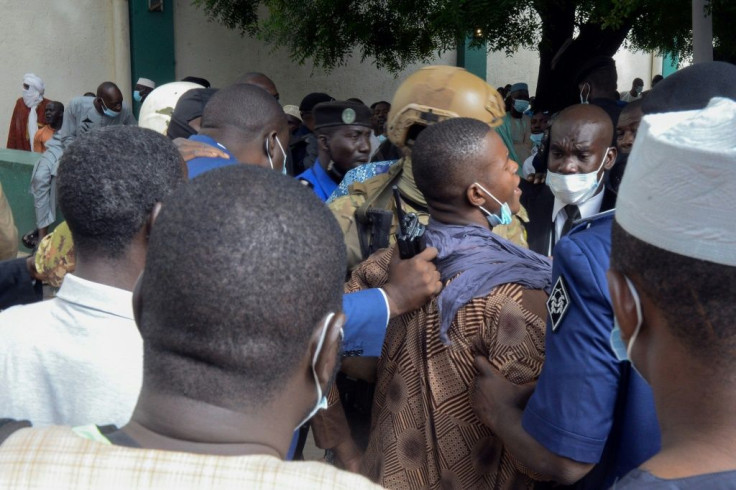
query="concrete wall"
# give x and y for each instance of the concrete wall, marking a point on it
(638, 64)
(211, 51)
(523, 65)
(76, 44)
(73, 45)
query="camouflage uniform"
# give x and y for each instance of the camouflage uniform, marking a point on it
(344, 209)
(55, 255)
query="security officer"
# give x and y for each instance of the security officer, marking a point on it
(588, 408)
(343, 131)
(429, 95)
(591, 417)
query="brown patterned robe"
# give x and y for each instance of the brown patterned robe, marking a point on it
(424, 433)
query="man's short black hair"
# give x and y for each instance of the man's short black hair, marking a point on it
(695, 296)
(105, 87)
(234, 284)
(108, 182)
(443, 154)
(245, 107)
(373, 105)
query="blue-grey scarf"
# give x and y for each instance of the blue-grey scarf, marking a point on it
(483, 261)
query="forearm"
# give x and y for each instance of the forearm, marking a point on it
(534, 457)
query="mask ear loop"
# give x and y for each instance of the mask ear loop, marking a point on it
(268, 154)
(321, 398)
(283, 163)
(639, 316)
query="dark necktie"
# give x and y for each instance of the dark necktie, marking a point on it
(573, 214)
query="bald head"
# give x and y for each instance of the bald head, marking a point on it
(585, 116)
(249, 122)
(247, 108)
(580, 138)
(106, 88)
(108, 97)
(259, 80)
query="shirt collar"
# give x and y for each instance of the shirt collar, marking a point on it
(587, 209)
(324, 181)
(96, 296)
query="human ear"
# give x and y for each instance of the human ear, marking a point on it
(624, 305)
(323, 141)
(271, 144)
(611, 155)
(328, 358)
(475, 196)
(152, 218)
(137, 300)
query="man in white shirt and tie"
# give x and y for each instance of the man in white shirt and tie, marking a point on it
(580, 153)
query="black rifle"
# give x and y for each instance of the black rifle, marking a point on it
(410, 233)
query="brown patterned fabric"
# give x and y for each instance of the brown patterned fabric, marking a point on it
(424, 433)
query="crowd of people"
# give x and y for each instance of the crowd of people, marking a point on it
(454, 289)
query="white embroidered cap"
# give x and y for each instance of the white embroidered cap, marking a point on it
(679, 189)
(146, 82)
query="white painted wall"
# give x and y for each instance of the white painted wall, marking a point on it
(73, 45)
(638, 64)
(522, 66)
(211, 51)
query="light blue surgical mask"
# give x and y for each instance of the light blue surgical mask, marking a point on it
(270, 161)
(494, 219)
(137, 95)
(321, 397)
(536, 138)
(108, 112)
(623, 351)
(521, 105)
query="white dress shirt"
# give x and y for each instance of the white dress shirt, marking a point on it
(72, 360)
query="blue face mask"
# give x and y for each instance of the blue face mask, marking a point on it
(494, 219)
(108, 112)
(536, 138)
(623, 351)
(137, 95)
(521, 105)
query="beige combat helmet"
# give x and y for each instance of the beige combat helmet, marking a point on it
(435, 93)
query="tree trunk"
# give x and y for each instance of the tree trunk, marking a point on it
(561, 57)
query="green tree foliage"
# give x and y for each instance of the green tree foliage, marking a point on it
(396, 33)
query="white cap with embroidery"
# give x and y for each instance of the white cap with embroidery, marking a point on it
(679, 189)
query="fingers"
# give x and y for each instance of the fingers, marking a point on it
(429, 253)
(483, 366)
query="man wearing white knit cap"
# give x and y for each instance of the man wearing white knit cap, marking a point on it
(673, 287)
(143, 87)
(28, 114)
(591, 418)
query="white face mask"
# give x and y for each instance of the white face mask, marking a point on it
(575, 188)
(31, 97)
(321, 397)
(283, 153)
(617, 343)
